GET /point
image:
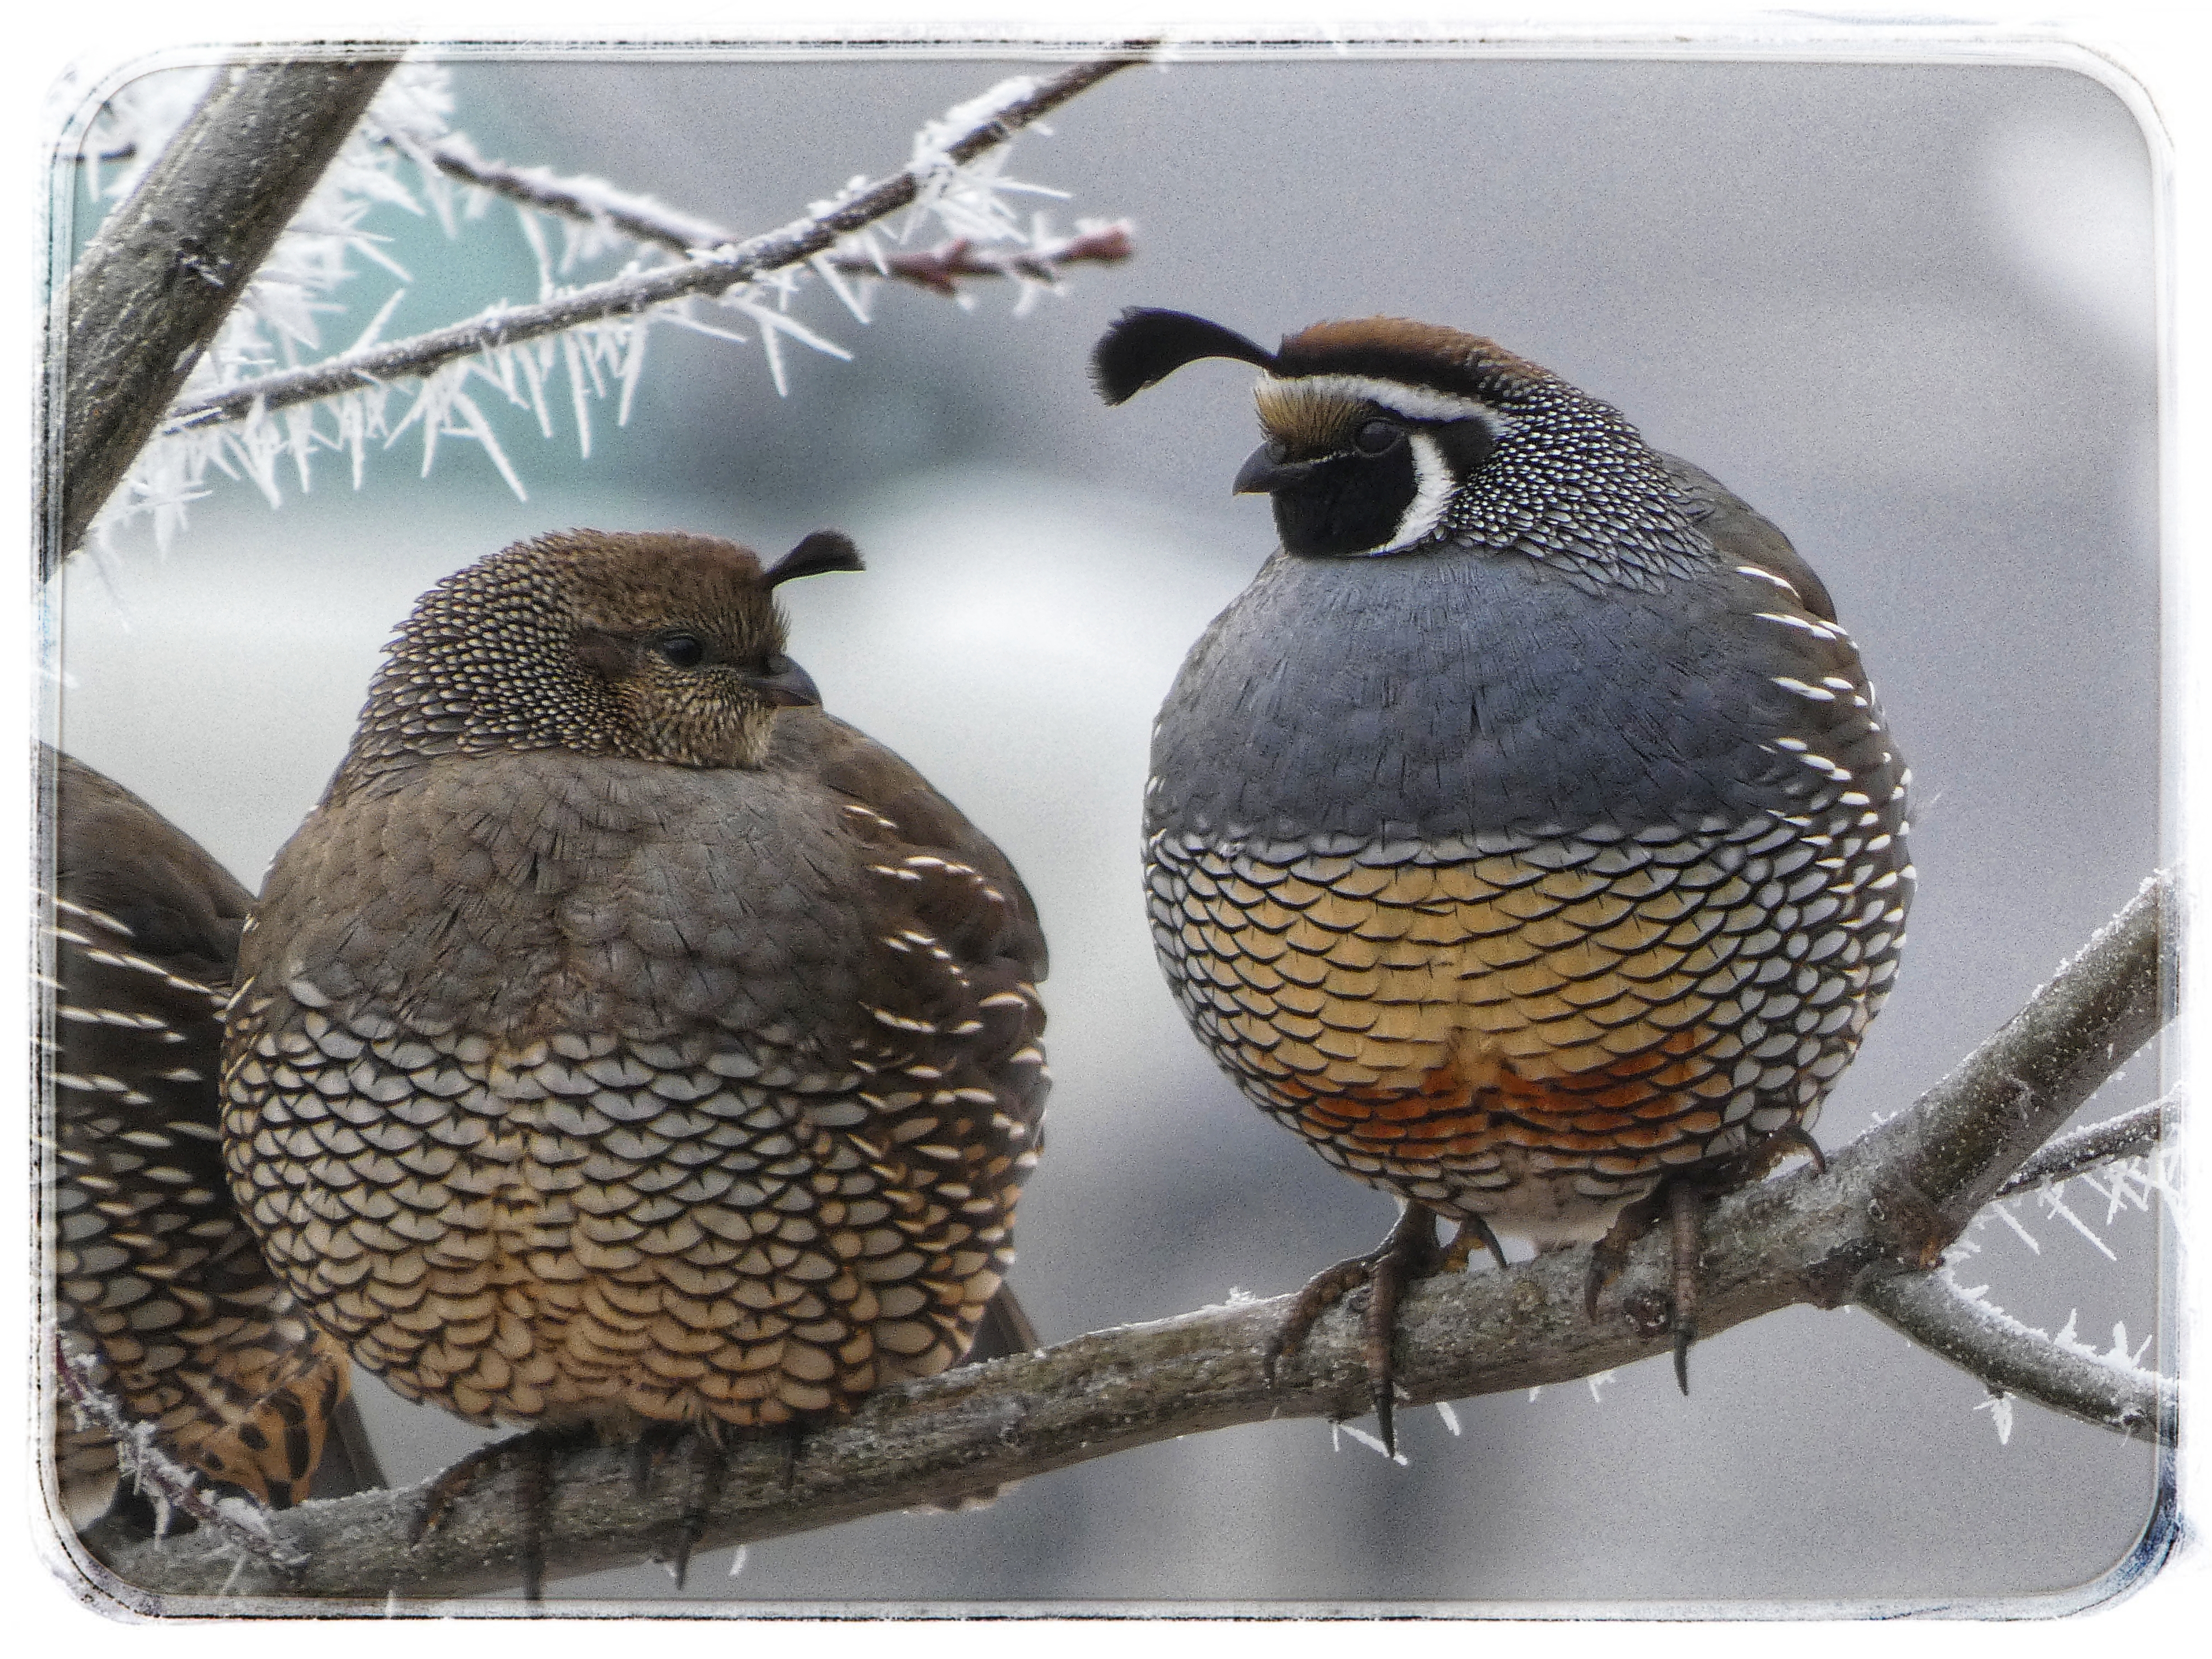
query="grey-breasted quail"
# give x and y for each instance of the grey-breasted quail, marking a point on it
(170, 1325)
(623, 1040)
(1527, 835)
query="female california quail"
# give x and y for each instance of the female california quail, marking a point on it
(1526, 837)
(623, 1040)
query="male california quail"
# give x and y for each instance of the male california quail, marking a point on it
(170, 1327)
(623, 1041)
(1526, 837)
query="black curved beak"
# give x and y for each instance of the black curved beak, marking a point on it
(793, 687)
(1262, 474)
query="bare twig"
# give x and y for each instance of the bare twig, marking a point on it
(2128, 1135)
(1935, 1311)
(941, 268)
(704, 275)
(1888, 1204)
(149, 295)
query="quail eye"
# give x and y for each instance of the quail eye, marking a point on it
(683, 650)
(1378, 437)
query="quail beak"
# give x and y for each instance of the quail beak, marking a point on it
(1262, 474)
(792, 689)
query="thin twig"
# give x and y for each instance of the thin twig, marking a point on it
(703, 275)
(590, 200)
(1882, 1209)
(140, 1457)
(2128, 1135)
(1935, 1311)
(940, 269)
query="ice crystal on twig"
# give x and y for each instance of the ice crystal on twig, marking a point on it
(1372, 1443)
(278, 320)
(243, 413)
(1999, 1406)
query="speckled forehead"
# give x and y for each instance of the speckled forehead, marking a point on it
(647, 583)
(1317, 411)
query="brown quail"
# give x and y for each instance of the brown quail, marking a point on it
(623, 1041)
(1526, 837)
(171, 1328)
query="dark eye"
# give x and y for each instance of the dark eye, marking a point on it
(1377, 437)
(682, 649)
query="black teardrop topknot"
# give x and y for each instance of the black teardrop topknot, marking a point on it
(1145, 346)
(825, 549)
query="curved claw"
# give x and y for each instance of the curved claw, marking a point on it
(1685, 1202)
(1610, 1254)
(1681, 1200)
(1316, 1297)
(531, 1454)
(1472, 1231)
(1795, 1137)
(1408, 1252)
(709, 1460)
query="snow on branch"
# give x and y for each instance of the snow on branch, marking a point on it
(934, 174)
(168, 269)
(1959, 1325)
(143, 1459)
(248, 412)
(577, 197)
(1866, 1230)
(2128, 1135)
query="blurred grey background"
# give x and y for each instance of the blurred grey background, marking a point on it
(1907, 311)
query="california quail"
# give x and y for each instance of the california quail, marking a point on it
(623, 1040)
(1526, 837)
(167, 1320)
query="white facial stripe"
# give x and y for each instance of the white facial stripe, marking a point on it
(1432, 492)
(1415, 403)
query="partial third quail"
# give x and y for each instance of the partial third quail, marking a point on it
(172, 1330)
(1526, 837)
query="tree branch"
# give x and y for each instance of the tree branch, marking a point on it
(2128, 1135)
(706, 274)
(1935, 1311)
(640, 217)
(592, 200)
(1888, 1203)
(165, 269)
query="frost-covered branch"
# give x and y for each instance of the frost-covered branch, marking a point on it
(940, 269)
(2128, 1135)
(590, 200)
(1887, 1205)
(150, 292)
(142, 1460)
(1944, 1317)
(706, 274)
